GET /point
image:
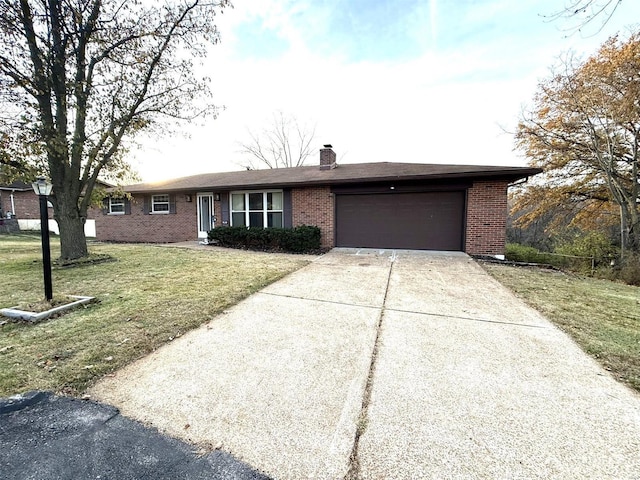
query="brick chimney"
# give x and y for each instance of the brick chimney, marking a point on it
(327, 158)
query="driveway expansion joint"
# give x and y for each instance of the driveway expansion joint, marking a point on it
(354, 465)
(332, 302)
(472, 319)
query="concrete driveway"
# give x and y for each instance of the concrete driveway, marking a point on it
(387, 364)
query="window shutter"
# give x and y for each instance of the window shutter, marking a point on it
(172, 204)
(127, 206)
(287, 215)
(146, 205)
(224, 203)
(105, 206)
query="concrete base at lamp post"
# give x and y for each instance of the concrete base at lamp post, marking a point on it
(39, 316)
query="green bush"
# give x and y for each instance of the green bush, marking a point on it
(594, 244)
(300, 239)
(521, 253)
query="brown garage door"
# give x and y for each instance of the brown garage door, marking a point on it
(424, 221)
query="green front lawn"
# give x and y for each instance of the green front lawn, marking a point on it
(603, 317)
(149, 296)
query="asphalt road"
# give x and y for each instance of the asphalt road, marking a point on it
(46, 437)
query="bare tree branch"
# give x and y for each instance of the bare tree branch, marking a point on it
(284, 143)
(586, 13)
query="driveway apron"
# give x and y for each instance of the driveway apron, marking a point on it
(387, 364)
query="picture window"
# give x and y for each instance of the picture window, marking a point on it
(257, 209)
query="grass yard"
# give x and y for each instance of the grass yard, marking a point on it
(603, 317)
(146, 298)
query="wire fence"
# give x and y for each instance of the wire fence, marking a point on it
(582, 263)
(591, 259)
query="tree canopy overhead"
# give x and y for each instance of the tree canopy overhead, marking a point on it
(584, 131)
(80, 78)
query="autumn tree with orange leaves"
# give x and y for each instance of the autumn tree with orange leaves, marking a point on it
(583, 129)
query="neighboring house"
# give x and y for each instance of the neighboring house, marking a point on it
(19, 201)
(375, 205)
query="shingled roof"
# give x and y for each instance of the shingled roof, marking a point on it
(16, 186)
(340, 175)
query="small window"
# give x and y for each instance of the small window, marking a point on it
(116, 206)
(160, 203)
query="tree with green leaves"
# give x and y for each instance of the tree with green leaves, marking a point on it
(80, 78)
(584, 131)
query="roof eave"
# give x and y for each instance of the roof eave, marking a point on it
(14, 189)
(509, 175)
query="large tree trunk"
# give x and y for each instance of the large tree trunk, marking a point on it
(73, 242)
(634, 231)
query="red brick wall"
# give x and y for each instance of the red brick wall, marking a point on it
(485, 224)
(314, 206)
(486, 218)
(27, 205)
(155, 228)
(217, 211)
(5, 202)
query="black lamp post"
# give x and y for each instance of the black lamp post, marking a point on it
(43, 189)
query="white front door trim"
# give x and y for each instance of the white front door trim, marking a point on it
(205, 213)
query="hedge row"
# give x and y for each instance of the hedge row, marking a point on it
(300, 239)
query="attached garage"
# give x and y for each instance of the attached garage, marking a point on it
(389, 205)
(419, 221)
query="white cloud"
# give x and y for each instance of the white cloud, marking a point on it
(446, 105)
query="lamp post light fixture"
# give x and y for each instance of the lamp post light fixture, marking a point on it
(43, 190)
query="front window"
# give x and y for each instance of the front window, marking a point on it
(160, 204)
(116, 206)
(256, 209)
(274, 209)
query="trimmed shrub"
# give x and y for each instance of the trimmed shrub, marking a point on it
(521, 253)
(559, 259)
(300, 239)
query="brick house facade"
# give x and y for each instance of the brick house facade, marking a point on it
(403, 204)
(19, 201)
(486, 217)
(140, 227)
(314, 206)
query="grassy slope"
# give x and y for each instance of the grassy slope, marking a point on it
(149, 296)
(603, 317)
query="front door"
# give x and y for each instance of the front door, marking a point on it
(205, 214)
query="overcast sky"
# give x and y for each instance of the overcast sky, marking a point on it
(421, 81)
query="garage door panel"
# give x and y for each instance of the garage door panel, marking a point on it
(428, 221)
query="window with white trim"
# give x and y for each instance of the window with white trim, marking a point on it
(116, 206)
(160, 203)
(257, 209)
